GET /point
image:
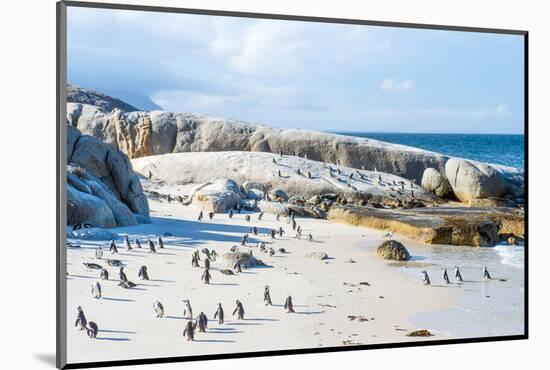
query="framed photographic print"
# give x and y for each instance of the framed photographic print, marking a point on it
(236, 184)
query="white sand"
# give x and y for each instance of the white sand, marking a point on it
(129, 328)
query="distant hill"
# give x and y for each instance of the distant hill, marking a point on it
(106, 103)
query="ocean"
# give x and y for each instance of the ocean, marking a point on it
(508, 150)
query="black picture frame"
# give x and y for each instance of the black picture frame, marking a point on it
(61, 293)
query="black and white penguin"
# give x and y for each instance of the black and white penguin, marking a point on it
(486, 274)
(201, 215)
(237, 267)
(194, 261)
(267, 296)
(81, 321)
(271, 251)
(214, 255)
(425, 278)
(206, 276)
(445, 276)
(244, 239)
(159, 308)
(230, 213)
(219, 314)
(260, 215)
(93, 266)
(288, 305)
(161, 243)
(309, 237)
(206, 252)
(281, 232)
(201, 322)
(210, 215)
(206, 263)
(152, 248)
(122, 275)
(247, 218)
(104, 274)
(92, 329)
(138, 244)
(458, 276)
(113, 248)
(234, 248)
(187, 311)
(127, 284)
(293, 224)
(239, 310)
(96, 290)
(115, 263)
(127, 243)
(271, 233)
(142, 274)
(254, 230)
(189, 331)
(99, 252)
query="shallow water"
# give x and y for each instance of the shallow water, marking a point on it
(485, 308)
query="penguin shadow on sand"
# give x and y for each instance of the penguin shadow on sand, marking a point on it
(117, 299)
(113, 339)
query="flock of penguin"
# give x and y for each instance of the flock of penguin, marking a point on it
(458, 276)
(200, 322)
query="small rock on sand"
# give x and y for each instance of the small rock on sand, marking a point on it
(393, 250)
(317, 255)
(420, 333)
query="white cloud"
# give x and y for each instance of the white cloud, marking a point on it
(390, 84)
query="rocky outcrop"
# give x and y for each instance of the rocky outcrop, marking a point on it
(393, 250)
(438, 225)
(245, 259)
(102, 188)
(474, 180)
(435, 182)
(218, 196)
(106, 103)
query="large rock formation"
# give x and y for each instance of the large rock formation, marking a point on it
(218, 195)
(435, 182)
(106, 103)
(393, 250)
(102, 188)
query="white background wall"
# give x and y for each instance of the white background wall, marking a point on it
(27, 181)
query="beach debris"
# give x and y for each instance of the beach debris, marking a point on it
(349, 260)
(364, 283)
(420, 333)
(358, 318)
(393, 250)
(317, 255)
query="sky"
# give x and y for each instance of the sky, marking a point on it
(308, 75)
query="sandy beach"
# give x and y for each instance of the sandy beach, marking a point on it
(384, 295)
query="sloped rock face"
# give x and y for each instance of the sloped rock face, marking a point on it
(435, 182)
(218, 196)
(473, 180)
(100, 177)
(77, 94)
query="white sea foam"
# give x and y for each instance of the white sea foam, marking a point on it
(511, 255)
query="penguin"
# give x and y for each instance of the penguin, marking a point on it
(458, 276)
(271, 252)
(206, 276)
(169, 198)
(309, 237)
(127, 243)
(237, 266)
(293, 224)
(260, 215)
(210, 215)
(244, 240)
(261, 245)
(234, 248)
(122, 275)
(254, 230)
(150, 175)
(239, 310)
(194, 261)
(98, 253)
(188, 311)
(113, 248)
(201, 322)
(308, 175)
(96, 290)
(288, 305)
(92, 329)
(200, 216)
(446, 276)
(197, 254)
(189, 331)
(227, 272)
(159, 308)
(230, 213)
(142, 274)
(206, 263)
(298, 172)
(277, 218)
(206, 252)
(214, 255)
(104, 274)
(272, 233)
(279, 173)
(93, 266)
(486, 274)
(152, 248)
(267, 296)
(161, 243)
(81, 321)
(115, 263)
(388, 235)
(425, 278)
(281, 232)
(138, 244)
(219, 314)
(299, 229)
(127, 284)
(247, 218)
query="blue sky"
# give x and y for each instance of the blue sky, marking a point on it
(302, 74)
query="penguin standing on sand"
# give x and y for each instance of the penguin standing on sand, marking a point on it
(244, 239)
(272, 233)
(188, 311)
(159, 308)
(446, 276)
(152, 248)
(138, 244)
(113, 248)
(293, 224)
(260, 215)
(104, 274)
(230, 213)
(288, 305)
(81, 321)
(219, 314)
(201, 215)
(309, 237)
(206, 263)
(127, 243)
(237, 267)
(122, 275)
(202, 322)
(99, 253)
(206, 276)
(458, 276)
(267, 296)
(214, 255)
(161, 243)
(210, 215)
(247, 218)
(189, 331)
(425, 278)
(281, 232)
(92, 329)
(486, 274)
(254, 230)
(194, 261)
(239, 310)
(96, 290)
(142, 274)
